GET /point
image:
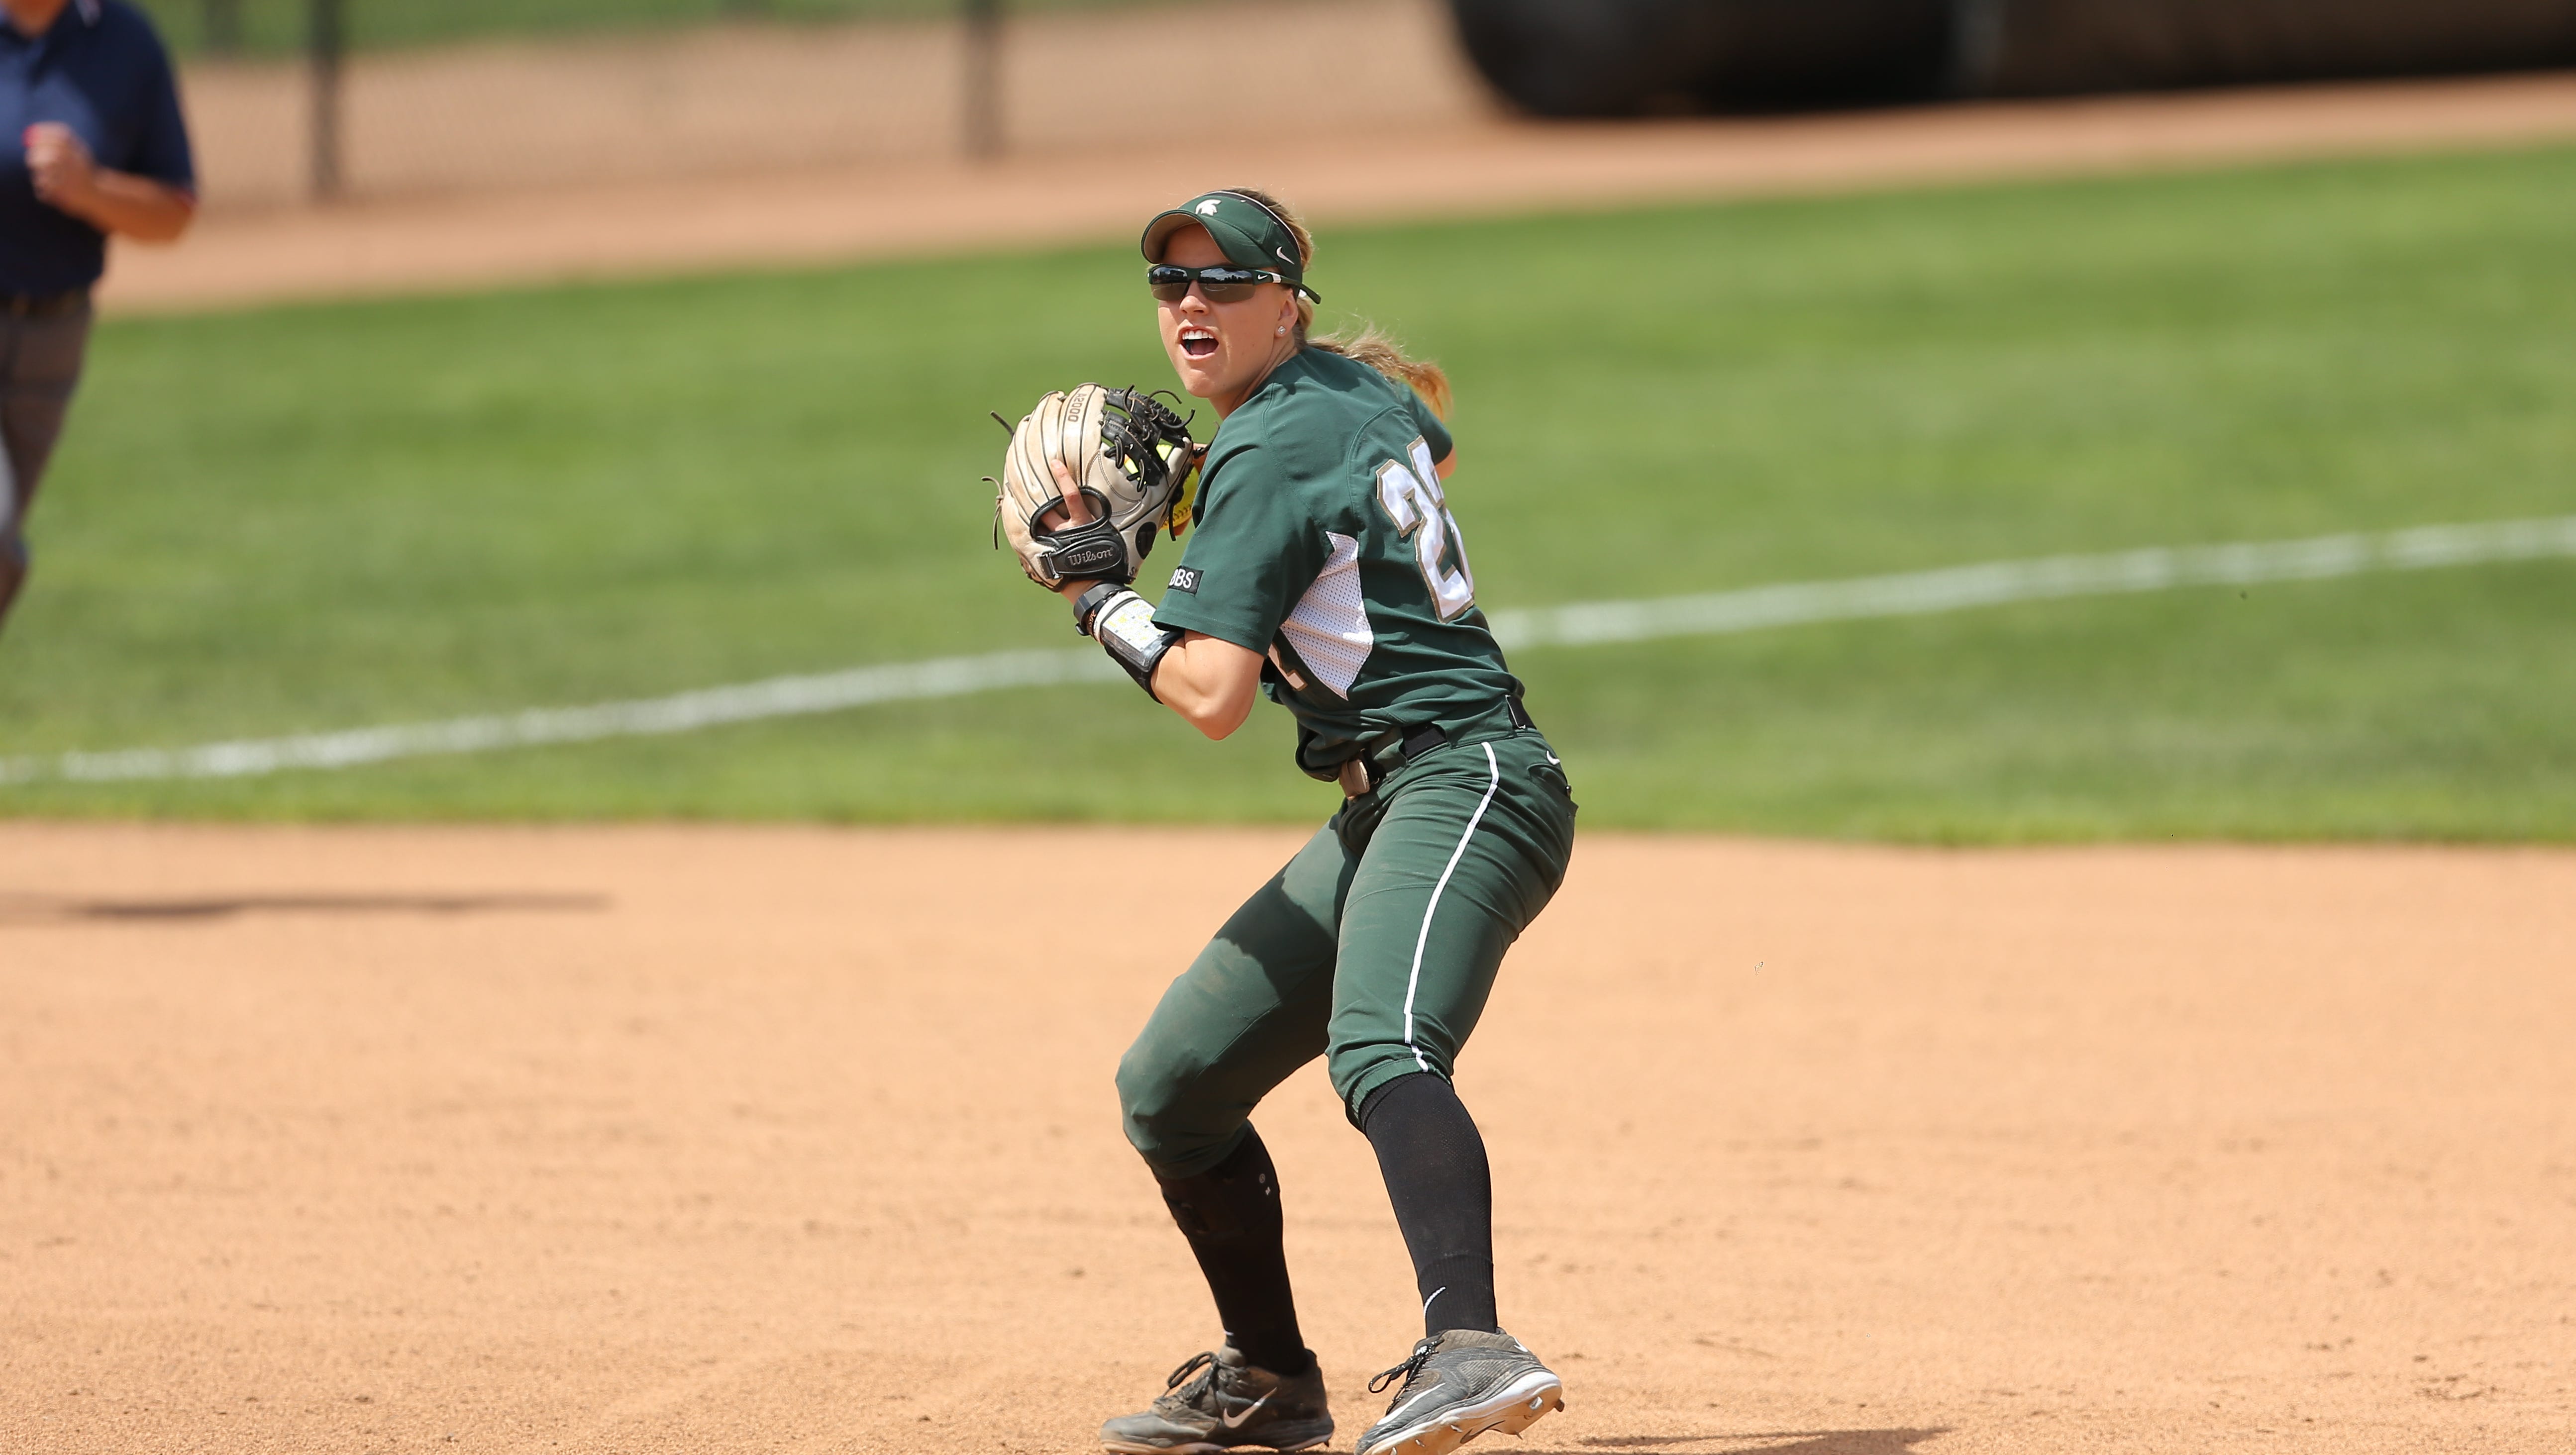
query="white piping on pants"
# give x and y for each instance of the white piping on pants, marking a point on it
(1413, 982)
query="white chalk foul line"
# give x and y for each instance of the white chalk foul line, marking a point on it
(680, 713)
(1911, 593)
(2157, 568)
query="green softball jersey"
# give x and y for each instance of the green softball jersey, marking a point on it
(1325, 542)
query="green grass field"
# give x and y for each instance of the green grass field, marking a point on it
(324, 517)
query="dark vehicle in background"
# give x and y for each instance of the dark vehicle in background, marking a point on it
(1630, 57)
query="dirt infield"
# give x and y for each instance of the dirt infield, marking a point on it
(1468, 166)
(628, 1140)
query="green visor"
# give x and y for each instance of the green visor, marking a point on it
(1249, 234)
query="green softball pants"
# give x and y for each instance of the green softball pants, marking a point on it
(1375, 948)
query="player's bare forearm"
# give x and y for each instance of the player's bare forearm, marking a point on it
(1210, 682)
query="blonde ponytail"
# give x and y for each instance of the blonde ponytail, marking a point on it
(1375, 348)
(1371, 345)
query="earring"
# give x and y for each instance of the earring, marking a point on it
(1281, 329)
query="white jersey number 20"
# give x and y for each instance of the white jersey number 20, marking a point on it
(1410, 491)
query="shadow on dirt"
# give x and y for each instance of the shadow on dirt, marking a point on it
(19, 909)
(1764, 1442)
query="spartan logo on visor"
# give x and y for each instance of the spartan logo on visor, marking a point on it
(1207, 208)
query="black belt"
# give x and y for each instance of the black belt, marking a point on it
(45, 305)
(1376, 765)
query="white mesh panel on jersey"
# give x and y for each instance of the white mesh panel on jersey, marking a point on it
(1329, 625)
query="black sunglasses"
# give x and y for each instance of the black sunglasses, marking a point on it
(1220, 285)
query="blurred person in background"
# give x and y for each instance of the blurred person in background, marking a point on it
(87, 89)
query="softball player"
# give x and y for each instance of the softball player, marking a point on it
(1328, 569)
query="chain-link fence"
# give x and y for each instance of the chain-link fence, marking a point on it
(195, 28)
(297, 100)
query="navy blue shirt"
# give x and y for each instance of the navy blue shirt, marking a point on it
(99, 70)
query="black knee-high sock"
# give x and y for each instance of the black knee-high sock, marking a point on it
(1230, 1214)
(1443, 1192)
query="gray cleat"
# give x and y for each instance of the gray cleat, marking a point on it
(1229, 1404)
(1458, 1385)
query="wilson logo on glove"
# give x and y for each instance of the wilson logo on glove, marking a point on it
(1091, 477)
